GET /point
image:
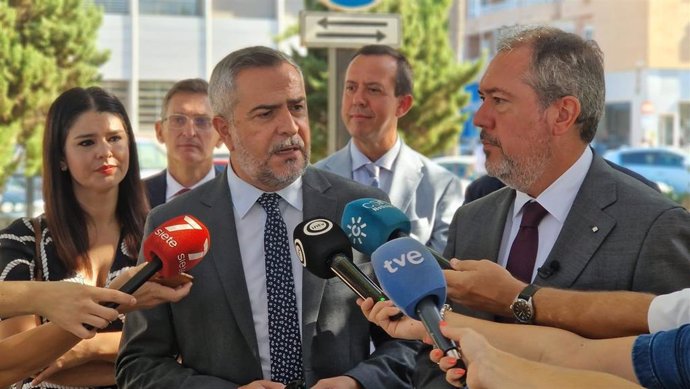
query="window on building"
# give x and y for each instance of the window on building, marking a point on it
(684, 114)
(171, 7)
(151, 94)
(119, 88)
(614, 128)
(114, 6)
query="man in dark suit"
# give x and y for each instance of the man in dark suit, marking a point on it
(186, 130)
(566, 218)
(228, 332)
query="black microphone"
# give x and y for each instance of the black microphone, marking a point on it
(323, 248)
(547, 271)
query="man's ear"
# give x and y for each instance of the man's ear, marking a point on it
(223, 128)
(404, 105)
(159, 131)
(563, 114)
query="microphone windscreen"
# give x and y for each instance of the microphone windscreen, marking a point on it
(317, 242)
(408, 273)
(369, 223)
(180, 243)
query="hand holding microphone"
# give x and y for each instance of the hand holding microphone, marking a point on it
(369, 223)
(171, 249)
(410, 275)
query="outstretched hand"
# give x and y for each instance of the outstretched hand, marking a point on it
(482, 285)
(150, 293)
(380, 314)
(68, 305)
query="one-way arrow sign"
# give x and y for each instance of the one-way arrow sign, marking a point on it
(331, 29)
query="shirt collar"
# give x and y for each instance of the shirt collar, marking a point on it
(386, 161)
(560, 195)
(172, 186)
(245, 195)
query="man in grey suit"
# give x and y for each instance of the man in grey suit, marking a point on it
(186, 130)
(543, 95)
(378, 91)
(229, 332)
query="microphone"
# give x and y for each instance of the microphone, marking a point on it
(547, 271)
(323, 248)
(410, 275)
(369, 223)
(172, 248)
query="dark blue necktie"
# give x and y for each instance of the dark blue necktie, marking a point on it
(283, 322)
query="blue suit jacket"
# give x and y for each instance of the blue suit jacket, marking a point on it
(156, 186)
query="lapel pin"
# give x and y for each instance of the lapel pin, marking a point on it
(595, 229)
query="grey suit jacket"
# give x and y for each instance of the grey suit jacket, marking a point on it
(426, 192)
(212, 329)
(620, 234)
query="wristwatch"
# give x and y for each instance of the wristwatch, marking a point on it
(522, 306)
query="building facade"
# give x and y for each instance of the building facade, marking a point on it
(646, 45)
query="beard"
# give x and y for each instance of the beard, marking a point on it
(519, 172)
(261, 170)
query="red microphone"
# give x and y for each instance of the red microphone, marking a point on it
(172, 248)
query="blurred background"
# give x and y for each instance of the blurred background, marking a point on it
(138, 49)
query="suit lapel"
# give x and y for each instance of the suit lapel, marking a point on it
(585, 228)
(316, 203)
(407, 174)
(229, 270)
(341, 162)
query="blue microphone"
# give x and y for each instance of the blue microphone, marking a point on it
(412, 278)
(369, 223)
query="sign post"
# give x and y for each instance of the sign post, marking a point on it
(337, 30)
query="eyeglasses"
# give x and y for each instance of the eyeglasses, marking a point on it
(179, 121)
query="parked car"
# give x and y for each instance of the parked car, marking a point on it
(669, 167)
(152, 159)
(463, 166)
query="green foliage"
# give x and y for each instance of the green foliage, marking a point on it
(46, 47)
(433, 124)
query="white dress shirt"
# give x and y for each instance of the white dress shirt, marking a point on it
(172, 186)
(385, 164)
(669, 311)
(557, 200)
(250, 219)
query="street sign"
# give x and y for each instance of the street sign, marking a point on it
(349, 5)
(347, 30)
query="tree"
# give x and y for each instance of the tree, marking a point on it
(433, 124)
(46, 47)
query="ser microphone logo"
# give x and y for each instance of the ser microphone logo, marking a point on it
(356, 230)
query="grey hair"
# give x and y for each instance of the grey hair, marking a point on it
(190, 85)
(221, 90)
(563, 64)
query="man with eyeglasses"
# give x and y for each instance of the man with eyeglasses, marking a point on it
(186, 130)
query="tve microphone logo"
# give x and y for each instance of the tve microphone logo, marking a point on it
(414, 257)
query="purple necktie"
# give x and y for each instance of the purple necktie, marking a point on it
(523, 252)
(179, 192)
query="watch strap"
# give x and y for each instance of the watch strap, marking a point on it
(528, 292)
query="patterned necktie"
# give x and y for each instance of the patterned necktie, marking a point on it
(283, 323)
(523, 252)
(373, 171)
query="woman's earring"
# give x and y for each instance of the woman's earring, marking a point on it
(63, 166)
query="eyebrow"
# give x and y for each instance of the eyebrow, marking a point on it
(491, 91)
(92, 134)
(274, 106)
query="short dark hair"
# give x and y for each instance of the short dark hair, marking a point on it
(563, 64)
(66, 220)
(190, 85)
(403, 75)
(221, 90)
